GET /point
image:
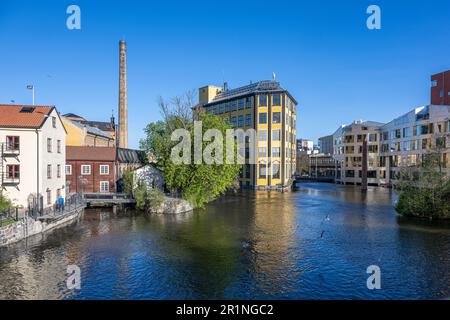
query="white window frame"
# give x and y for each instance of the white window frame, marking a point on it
(101, 186)
(86, 166)
(104, 166)
(68, 172)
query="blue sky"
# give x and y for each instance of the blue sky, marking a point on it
(321, 51)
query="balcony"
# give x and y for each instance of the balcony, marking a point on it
(11, 152)
(11, 180)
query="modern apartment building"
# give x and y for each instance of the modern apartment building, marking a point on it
(348, 152)
(269, 109)
(406, 140)
(440, 88)
(32, 155)
(326, 144)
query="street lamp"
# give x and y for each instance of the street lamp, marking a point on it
(31, 87)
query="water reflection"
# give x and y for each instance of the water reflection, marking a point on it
(313, 243)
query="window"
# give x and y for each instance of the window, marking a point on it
(49, 145)
(104, 169)
(220, 108)
(276, 100)
(248, 102)
(262, 135)
(214, 109)
(276, 170)
(208, 109)
(54, 122)
(276, 135)
(248, 120)
(434, 83)
(275, 152)
(49, 171)
(240, 121)
(350, 173)
(262, 152)
(233, 105)
(263, 118)
(86, 169)
(241, 104)
(12, 172)
(68, 169)
(58, 171)
(247, 171)
(441, 93)
(12, 143)
(276, 117)
(104, 186)
(233, 122)
(372, 137)
(406, 132)
(263, 101)
(227, 106)
(372, 174)
(49, 196)
(58, 146)
(262, 170)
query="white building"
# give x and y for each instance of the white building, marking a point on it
(348, 152)
(32, 155)
(404, 141)
(407, 139)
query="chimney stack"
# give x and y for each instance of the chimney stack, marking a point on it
(123, 103)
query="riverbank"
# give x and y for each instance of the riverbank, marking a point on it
(29, 226)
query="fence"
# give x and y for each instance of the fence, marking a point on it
(9, 216)
(70, 203)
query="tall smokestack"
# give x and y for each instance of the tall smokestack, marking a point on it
(123, 103)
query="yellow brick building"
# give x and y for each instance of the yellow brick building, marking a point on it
(269, 109)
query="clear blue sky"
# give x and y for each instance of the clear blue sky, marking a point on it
(321, 51)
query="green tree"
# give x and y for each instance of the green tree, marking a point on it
(425, 189)
(5, 203)
(197, 183)
(128, 181)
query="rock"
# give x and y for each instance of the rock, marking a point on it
(172, 206)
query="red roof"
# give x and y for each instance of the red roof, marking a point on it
(23, 116)
(91, 153)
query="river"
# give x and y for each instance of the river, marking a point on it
(313, 243)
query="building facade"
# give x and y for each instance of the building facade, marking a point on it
(326, 144)
(305, 145)
(32, 155)
(91, 169)
(83, 135)
(271, 111)
(348, 152)
(440, 88)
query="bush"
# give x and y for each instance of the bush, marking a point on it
(128, 181)
(156, 198)
(140, 194)
(5, 203)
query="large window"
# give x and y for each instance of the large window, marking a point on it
(276, 135)
(49, 144)
(248, 102)
(275, 152)
(233, 121)
(12, 172)
(263, 100)
(104, 186)
(227, 106)
(276, 100)
(262, 135)
(233, 105)
(49, 171)
(104, 169)
(241, 104)
(262, 152)
(276, 170)
(240, 121)
(276, 117)
(248, 120)
(12, 143)
(263, 118)
(262, 170)
(85, 169)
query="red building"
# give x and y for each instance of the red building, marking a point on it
(440, 88)
(91, 169)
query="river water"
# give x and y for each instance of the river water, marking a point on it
(314, 243)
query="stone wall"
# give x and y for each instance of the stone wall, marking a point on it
(172, 206)
(30, 227)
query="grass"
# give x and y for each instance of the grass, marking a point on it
(7, 222)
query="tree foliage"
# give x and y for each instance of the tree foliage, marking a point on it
(425, 189)
(5, 203)
(197, 183)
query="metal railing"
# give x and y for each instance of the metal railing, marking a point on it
(70, 204)
(9, 216)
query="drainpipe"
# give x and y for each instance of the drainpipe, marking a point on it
(37, 170)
